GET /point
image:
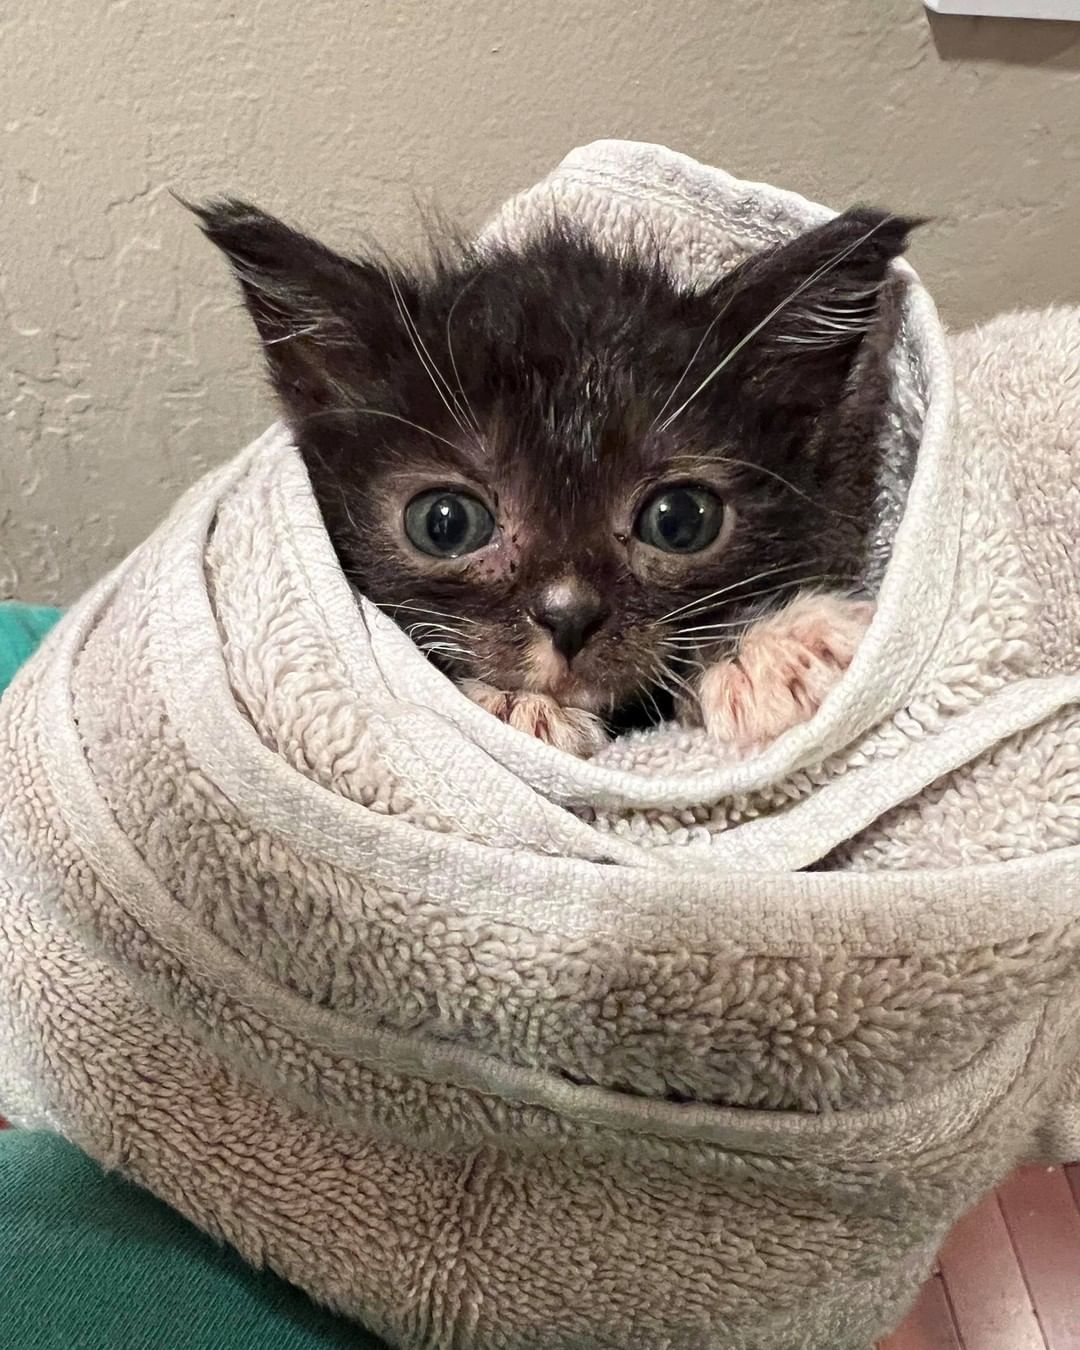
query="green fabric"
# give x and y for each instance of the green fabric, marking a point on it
(21, 629)
(90, 1262)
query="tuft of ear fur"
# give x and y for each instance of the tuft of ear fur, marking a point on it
(804, 308)
(315, 311)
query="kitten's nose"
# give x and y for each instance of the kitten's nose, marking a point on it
(571, 612)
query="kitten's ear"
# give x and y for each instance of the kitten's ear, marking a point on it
(316, 312)
(800, 312)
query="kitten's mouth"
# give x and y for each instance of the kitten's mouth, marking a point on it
(572, 692)
(547, 671)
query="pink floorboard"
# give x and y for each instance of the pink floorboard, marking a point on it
(1009, 1274)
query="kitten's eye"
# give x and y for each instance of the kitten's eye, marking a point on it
(448, 524)
(680, 519)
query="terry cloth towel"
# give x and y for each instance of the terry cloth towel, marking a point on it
(492, 1047)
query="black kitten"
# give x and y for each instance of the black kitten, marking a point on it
(577, 482)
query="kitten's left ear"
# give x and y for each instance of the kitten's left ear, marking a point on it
(318, 314)
(800, 311)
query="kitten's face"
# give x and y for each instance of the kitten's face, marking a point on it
(547, 465)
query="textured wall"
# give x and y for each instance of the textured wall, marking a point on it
(126, 363)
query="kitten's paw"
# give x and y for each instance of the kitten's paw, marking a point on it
(571, 729)
(785, 667)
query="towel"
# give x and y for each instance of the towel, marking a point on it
(491, 1047)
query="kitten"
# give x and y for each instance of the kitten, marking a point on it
(591, 493)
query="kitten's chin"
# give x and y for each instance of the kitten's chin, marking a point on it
(569, 692)
(572, 694)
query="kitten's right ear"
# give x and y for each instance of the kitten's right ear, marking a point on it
(802, 310)
(315, 311)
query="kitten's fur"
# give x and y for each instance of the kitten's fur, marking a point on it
(562, 384)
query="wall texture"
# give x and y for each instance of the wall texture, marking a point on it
(127, 366)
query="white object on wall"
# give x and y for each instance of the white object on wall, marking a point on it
(1009, 9)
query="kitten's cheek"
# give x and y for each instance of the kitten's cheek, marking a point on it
(497, 563)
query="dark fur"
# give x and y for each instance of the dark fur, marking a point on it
(563, 355)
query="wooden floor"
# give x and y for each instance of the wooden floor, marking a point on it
(1009, 1275)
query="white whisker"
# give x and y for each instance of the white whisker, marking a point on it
(414, 608)
(708, 628)
(690, 364)
(646, 692)
(425, 631)
(679, 681)
(708, 602)
(442, 649)
(442, 388)
(426, 431)
(453, 359)
(727, 590)
(354, 408)
(779, 478)
(288, 337)
(816, 275)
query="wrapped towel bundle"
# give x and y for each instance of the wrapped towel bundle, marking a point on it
(491, 1047)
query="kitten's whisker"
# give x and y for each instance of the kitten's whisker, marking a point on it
(690, 657)
(408, 622)
(679, 681)
(770, 473)
(646, 691)
(706, 633)
(436, 625)
(662, 673)
(414, 608)
(423, 631)
(372, 412)
(816, 275)
(690, 364)
(709, 602)
(714, 627)
(656, 675)
(701, 628)
(289, 337)
(453, 359)
(727, 590)
(442, 388)
(442, 649)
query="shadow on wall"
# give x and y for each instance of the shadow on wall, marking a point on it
(1012, 42)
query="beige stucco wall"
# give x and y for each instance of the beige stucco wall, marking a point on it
(127, 367)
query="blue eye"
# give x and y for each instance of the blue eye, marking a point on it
(448, 524)
(680, 519)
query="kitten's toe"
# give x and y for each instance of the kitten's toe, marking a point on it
(743, 711)
(570, 729)
(786, 667)
(489, 698)
(828, 627)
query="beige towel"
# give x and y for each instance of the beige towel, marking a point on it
(491, 1047)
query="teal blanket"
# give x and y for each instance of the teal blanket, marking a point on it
(21, 629)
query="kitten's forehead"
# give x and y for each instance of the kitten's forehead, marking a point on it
(579, 444)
